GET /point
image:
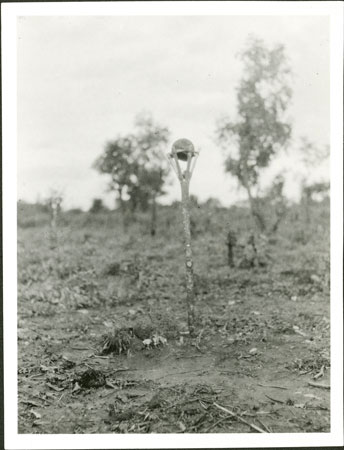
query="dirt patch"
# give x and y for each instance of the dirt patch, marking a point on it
(103, 345)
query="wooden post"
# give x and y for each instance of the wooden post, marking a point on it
(190, 290)
(231, 241)
(153, 217)
(54, 203)
(183, 150)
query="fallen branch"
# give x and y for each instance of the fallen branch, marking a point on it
(55, 388)
(80, 348)
(323, 386)
(87, 365)
(274, 399)
(199, 422)
(301, 333)
(231, 413)
(198, 341)
(179, 373)
(321, 408)
(272, 386)
(304, 372)
(62, 395)
(123, 369)
(320, 374)
(263, 424)
(213, 425)
(189, 356)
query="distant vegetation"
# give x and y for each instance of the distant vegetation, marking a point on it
(136, 166)
(207, 216)
(261, 129)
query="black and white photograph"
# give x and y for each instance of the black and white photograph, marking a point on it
(172, 191)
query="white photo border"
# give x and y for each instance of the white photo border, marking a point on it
(10, 12)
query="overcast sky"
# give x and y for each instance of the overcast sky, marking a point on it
(82, 80)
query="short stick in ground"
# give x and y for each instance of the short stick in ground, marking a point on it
(231, 413)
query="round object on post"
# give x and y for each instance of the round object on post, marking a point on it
(182, 147)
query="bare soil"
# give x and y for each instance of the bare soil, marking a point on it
(262, 336)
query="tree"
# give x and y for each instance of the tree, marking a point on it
(311, 157)
(137, 165)
(276, 201)
(53, 202)
(115, 161)
(97, 206)
(309, 192)
(261, 129)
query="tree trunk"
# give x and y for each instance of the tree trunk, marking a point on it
(230, 254)
(53, 218)
(120, 200)
(153, 217)
(231, 242)
(190, 290)
(280, 217)
(257, 216)
(307, 204)
(122, 209)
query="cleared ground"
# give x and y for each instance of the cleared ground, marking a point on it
(262, 337)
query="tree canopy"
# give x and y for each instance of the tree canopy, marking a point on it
(261, 128)
(136, 162)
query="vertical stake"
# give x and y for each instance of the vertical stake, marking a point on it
(183, 150)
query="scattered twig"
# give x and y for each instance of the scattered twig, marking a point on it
(213, 425)
(301, 333)
(319, 407)
(241, 356)
(274, 399)
(246, 413)
(35, 414)
(198, 340)
(188, 356)
(124, 369)
(320, 373)
(85, 364)
(80, 348)
(166, 356)
(30, 329)
(203, 405)
(323, 386)
(58, 401)
(263, 425)
(135, 395)
(31, 403)
(239, 418)
(304, 372)
(55, 388)
(179, 373)
(198, 422)
(172, 405)
(272, 386)
(258, 413)
(108, 383)
(108, 394)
